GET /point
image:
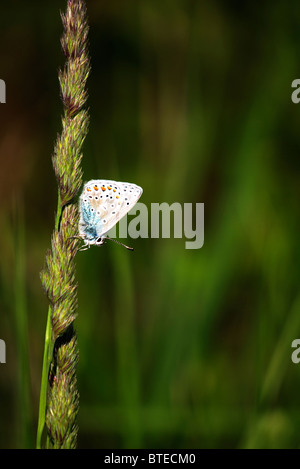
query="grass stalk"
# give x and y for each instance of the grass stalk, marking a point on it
(48, 353)
(59, 399)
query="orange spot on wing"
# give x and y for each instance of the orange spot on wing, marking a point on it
(117, 196)
(88, 189)
(96, 188)
(109, 187)
(103, 188)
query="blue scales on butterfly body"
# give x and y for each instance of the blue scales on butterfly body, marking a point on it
(93, 227)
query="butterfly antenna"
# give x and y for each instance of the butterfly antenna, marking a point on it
(119, 242)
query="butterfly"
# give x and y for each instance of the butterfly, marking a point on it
(101, 205)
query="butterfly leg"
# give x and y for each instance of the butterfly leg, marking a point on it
(84, 247)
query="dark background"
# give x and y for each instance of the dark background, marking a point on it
(191, 100)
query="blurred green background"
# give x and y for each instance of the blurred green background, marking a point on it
(192, 101)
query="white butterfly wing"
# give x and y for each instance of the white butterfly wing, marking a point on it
(110, 201)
